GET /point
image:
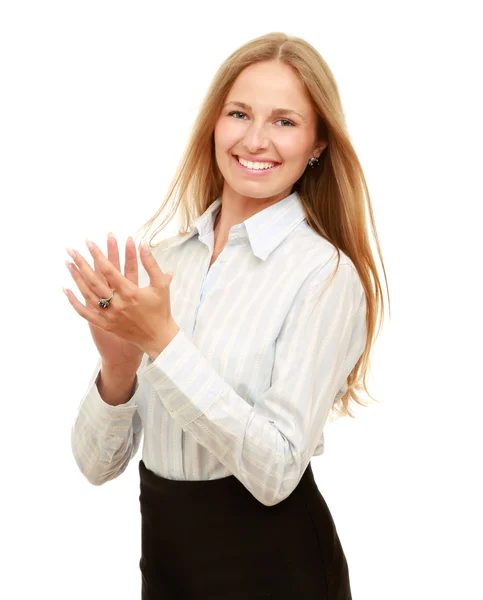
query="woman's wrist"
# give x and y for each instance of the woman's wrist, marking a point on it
(115, 385)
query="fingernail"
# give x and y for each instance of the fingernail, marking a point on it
(110, 235)
(145, 248)
(89, 244)
(71, 253)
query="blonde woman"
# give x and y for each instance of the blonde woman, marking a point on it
(231, 362)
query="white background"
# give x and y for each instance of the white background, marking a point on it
(97, 100)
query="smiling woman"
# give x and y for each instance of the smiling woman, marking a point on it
(232, 369)
(274, 149)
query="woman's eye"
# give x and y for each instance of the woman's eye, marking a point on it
(237, 112)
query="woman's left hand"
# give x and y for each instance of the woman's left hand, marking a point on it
(141, 316)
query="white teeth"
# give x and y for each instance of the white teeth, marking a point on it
(255, 165)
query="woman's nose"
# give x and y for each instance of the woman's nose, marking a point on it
(256, 137)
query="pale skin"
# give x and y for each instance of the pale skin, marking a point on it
(137, 321)
(251, 124)
(288, 138)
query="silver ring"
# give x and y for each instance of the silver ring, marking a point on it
(104, 302)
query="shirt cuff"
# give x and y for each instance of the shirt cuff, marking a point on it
(185, 381)
(105, 417)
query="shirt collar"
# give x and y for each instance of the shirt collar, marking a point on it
(265, 230)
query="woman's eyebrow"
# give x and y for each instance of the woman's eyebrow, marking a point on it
(275, 111)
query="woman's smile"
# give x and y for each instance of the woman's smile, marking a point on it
(255, 172)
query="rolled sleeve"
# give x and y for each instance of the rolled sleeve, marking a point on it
(184, 378)
(104, 438)
(269, 445)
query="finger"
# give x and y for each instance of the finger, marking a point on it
(113, 251)
(112, 255)
(98, 287)
(87, 313)
(156, 277)
(131, 267)
(99, 274)
(97, 271)
(84, 289)
(118, 282)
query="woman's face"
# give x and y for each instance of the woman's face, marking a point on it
(248, 128)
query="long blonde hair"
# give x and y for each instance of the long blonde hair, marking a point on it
(335, 195)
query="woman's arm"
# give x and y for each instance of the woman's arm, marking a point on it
(269, 445)
(107, 430)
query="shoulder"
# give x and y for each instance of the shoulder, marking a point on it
(162, 245)
(321, 267)
(166, 248)
(318, 254)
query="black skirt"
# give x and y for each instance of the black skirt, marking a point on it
(213, 539)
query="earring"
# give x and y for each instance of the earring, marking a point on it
(313, 162)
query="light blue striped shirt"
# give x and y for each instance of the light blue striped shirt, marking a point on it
(264, 349)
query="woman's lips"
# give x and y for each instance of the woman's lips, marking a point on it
(256, 172)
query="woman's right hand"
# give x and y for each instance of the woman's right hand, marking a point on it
(114, 351)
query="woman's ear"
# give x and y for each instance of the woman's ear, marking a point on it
(319, 148)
